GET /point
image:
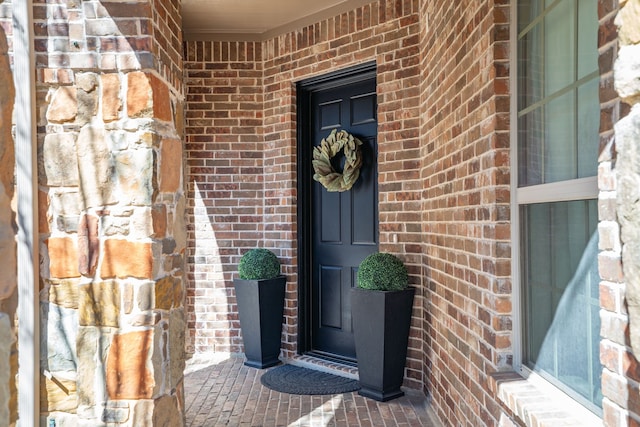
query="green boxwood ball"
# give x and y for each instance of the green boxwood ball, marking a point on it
(383, 272)
(259, 264)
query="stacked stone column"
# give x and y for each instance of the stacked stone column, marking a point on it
(627, 81)
(111, 215)
(621, 352)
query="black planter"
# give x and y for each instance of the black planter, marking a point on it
(261, 308)
(381, 321)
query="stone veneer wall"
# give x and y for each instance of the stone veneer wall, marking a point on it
(112, 230)
(619, 180)
(8, 273)
(241, 154)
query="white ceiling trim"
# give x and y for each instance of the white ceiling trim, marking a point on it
(269, 28)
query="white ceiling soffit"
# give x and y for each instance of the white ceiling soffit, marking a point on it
(254, 20)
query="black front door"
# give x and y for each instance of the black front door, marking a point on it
(343, 226)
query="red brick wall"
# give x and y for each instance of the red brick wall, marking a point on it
(386, 32)
(224, 150)
(466, 214)
(241, 148)
(166, 24)
(442, 70)
(444, 181)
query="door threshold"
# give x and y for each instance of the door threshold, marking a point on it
(330, 357)
(324, 364)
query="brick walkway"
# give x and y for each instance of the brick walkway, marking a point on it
(224, 392)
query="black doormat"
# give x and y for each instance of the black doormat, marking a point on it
(296, 380)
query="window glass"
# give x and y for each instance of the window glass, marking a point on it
(528, 11)
(559, 47)
(558, 136)
(558, 107)
(587, 55)
(559, 251)
(588, 128)
(559, 149)
(530, 148)
(531, 68)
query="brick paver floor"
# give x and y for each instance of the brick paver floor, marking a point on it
(224, 392)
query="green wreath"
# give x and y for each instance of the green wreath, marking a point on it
(329, 147)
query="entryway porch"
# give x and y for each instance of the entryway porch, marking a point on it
(221, 391)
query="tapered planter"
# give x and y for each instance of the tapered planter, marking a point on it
(261, 308)
(381, 321)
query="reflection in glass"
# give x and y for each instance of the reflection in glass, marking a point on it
(559, 251)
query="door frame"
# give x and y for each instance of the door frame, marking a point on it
(304, 89)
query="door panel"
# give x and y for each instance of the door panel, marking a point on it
(364, 219)
(330, 296)
(344, 225)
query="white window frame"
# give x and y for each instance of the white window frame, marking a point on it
(575, 189)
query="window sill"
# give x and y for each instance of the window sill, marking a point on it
(536, 403)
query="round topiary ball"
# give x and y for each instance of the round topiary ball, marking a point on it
(258, 264)
(383, 272)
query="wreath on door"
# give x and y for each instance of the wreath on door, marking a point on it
(331, 146)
